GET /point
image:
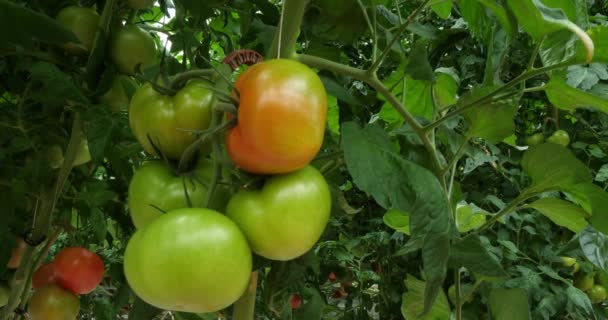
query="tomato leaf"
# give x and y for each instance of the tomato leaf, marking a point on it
(492, 121)
(595, 247)
(565, 97)
(562, 213)
(412, 302)
(559, 171)
(471, 253)
(403, 185)
(397, 220)
(22, 27)
(56, 86)
(418, 66)
(508, 304)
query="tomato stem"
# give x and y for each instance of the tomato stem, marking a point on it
(286, 37)
(244, 307)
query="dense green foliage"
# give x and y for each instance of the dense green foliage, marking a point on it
(465, 150)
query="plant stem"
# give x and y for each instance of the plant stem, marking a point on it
(396, 37)
(284, 43)
(244, 307)
(217, 163)
(183, 77)
(506, 210)
(458, 296)
(511, 84)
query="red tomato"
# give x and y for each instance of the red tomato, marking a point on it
(281, 117)
(44, 275)
(296, 301)
(332, 276)
(78, 270)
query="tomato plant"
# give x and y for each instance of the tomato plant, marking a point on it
(202, 262)
(83, 23)
(78, 270)
(45, 275)
(53, 303)
(281, 117)
(17, 254)
(132, 48)
(162, 121)
(375, 154)
(155, 187)
(284, 219)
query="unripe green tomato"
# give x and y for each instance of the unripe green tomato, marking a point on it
(82, 154)
(597, 294)
(154, 186)
(583, 281)
(53, 303)
(140, 4)
(284, 219)
(570, 262)
(83, 23)
(560, 137)
(131, 46)
(116, 98)
(158, 121)
(535, 139)
(54, 155)
(5, 294)
(192, 260)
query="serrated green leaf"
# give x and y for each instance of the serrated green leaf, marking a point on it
(594, 200)
(562, 213)
(468, 219)
(595, 247)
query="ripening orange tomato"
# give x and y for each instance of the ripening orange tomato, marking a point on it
(281, 117)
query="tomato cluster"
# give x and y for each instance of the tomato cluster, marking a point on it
(593, 284)
(57, 284)
(281, 123)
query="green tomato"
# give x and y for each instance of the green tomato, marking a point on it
(55, 156)
(5, 294)
(597, 294)
(53, 303)
(160, 118)
(154, 186)
(191, 260)
(571, 263)
(140, 4)
(116, 98)
(535, 139)
(82, 154)
(560, 137)
(287, 217)
(83, 22)
(583, 281)
(131, 46)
